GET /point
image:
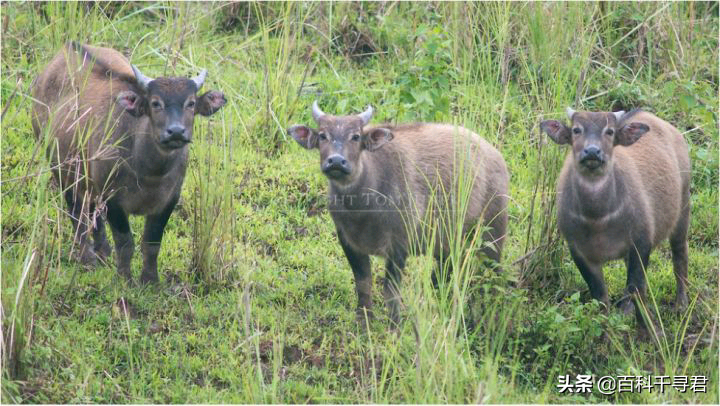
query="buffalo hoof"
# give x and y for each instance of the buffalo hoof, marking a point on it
(364, 317)
(125, 274)
(103, 251)
(681, 304)
(86, 256)
(627, 307)
(148, 278)
(645, 334)
(395, 323)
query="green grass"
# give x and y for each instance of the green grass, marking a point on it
(256, 299)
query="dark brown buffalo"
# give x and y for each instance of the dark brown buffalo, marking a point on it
(383, 179)
(624, 188)
(120, 140)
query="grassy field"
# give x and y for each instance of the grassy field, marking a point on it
(256, 300)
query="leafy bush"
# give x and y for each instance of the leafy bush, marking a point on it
(563, 337)
(424, 89)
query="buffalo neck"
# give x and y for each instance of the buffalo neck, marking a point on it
(349, 194)
(371, 179)
(596, 196)
(152, 160)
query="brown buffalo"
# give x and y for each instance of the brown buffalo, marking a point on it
(120, 139)
(624, 188)
(383, 179)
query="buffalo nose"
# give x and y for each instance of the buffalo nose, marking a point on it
(592, 151)
(336, 160)
(335, 163)
(176, 131)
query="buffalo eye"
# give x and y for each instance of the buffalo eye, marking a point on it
(355, 137)
(610, 131)
(323, 136)
(577, 130)
(156, 104)
(191, 104)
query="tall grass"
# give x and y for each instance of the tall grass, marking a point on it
(268, 317)
(25, 266)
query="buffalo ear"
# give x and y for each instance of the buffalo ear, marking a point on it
(209, 103)
(629, 133)
(557, 131)
(376, 138)
(131, 102)
(305, 136)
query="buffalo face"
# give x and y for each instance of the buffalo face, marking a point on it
(171, 105)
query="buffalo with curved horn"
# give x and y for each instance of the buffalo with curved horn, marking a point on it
(382, 181)
(139, 132)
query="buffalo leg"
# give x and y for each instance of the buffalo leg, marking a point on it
(124, 246)
(679, 247)
(637, 262)
(152, 237)
(625, 304)
(360, 264)
(391, 286)
(593, 276)
(85, 253)
(100, 244)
